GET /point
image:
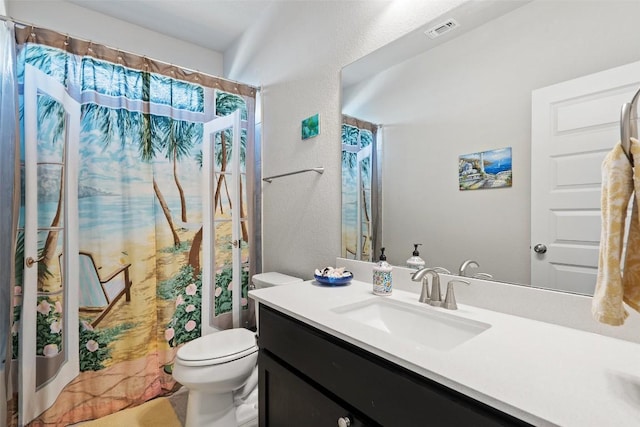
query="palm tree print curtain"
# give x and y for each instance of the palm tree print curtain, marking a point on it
(139, 210)
(360, 189)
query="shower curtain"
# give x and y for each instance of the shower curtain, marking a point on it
(109, 279)
(9, 185)
(361, 189)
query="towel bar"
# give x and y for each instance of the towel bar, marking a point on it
(319, 170)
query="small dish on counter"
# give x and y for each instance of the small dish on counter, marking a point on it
(333, 281)
(330, 276)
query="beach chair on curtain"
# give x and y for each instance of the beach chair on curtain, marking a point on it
(100, 294)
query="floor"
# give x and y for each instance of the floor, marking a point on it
(179, 402)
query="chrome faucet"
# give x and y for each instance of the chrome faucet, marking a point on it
(432, 298)
(422, 274)
(463, 267)
(450, 300)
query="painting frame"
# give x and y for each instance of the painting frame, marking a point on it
(310, 127)
(486, 169)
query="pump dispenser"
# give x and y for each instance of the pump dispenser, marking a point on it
(382, 276)
(415, 261)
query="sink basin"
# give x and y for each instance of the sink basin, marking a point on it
(421, 325)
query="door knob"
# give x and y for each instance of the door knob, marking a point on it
(540, 248)
(30, 261)
(344, 421)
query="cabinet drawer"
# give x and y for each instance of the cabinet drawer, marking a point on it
(386, 393)
(291, 402)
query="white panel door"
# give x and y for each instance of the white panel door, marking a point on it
(574, 125)
(39, 390)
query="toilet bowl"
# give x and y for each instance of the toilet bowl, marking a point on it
(221, 373)
(212, 367)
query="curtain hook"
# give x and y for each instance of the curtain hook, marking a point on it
(89, 48)
(33, 34)
(66, 42)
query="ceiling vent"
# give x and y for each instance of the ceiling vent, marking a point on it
(442, 28)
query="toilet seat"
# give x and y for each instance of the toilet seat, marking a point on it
(217, 348)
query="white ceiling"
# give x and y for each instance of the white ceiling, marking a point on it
(213, 24)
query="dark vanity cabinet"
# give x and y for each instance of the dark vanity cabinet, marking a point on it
(310, 378)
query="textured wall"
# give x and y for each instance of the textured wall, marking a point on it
(296, 54)
(86, 24)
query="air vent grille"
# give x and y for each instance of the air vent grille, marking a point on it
(441, 28)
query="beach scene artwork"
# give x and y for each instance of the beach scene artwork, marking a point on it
(486, 169)
(139, 232)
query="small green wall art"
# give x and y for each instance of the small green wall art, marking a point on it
(487, 169)
(311, 127)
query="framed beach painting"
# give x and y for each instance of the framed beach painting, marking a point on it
(487, 169)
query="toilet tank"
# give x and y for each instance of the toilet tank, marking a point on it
(266, 280)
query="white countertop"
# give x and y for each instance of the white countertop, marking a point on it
(545, 374)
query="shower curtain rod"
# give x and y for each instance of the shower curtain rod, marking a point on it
(190, 70)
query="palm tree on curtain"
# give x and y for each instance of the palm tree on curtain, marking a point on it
(177, 138)
(350, 136)
(226, 104)
(366, 139)
(55, 63)
(51, 61)
(52, 112)
(360, 138)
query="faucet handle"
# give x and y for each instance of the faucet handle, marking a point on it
(436, 298)
(441, 270)
(485, 276)
(425, 295)
(450, 299)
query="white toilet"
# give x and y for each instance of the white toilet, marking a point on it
(221, 373)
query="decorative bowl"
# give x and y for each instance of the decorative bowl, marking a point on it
(334, 281)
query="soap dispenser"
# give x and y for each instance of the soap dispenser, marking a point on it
(382, 276)
(415, 261)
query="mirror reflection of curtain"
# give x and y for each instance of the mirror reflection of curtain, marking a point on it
(139, 217)
(9, 200)
(361, 189)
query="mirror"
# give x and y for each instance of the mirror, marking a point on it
(469, 91)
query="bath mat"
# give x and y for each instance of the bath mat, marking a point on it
(156, 412)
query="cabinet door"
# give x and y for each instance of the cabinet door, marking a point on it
(288, 400)
(374, 388)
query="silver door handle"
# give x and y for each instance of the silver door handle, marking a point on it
(540, 248)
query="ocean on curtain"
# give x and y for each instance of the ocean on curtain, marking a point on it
(9, 199)
(360, 190)
(111, 226)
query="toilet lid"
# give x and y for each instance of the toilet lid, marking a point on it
(272, 278)
(219, 347)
